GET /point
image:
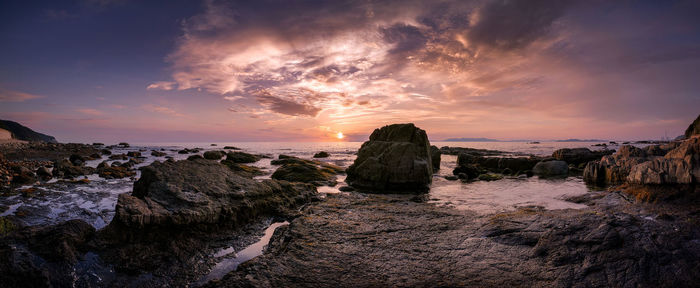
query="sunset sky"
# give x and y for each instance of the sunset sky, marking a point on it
(190, 71)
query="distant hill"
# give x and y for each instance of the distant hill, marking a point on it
(470, 140)
(21, 132)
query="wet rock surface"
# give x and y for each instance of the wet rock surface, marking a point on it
(396, 158)
(372, 240)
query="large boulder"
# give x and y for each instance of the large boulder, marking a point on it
(577, 156)
(203, 192)
(396, 159)
(551, 168)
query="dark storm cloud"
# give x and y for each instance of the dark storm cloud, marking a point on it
(286, 107)
(406, 38)
(511, 24)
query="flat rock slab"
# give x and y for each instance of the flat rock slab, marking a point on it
(358, 240)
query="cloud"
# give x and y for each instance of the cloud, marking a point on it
(512, 24)
(16, 96)
(161, 110)
(90, 111)
(162, 85)
(473, 63)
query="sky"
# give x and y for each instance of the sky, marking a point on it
(210, 70)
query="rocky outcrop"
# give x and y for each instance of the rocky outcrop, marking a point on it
(107, 171)
(613, 169)
(203, 192)
(20, 132)
(472, 165)
(396, 159)
(578, 156)
(679, 166)
(551, 168)
(693, 129)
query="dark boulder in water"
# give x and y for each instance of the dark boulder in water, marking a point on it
(322, 154)
(551, 168)
(397, 158)
(241, 157)
(213, 155)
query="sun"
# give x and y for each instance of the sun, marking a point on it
(340, 135)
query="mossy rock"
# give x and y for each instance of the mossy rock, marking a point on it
(242, 169)
(490, 177)
(306, 173)
(6, 226)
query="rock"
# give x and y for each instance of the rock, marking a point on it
(679, 166)
(123, 145)
(158, 154)
(497, 164)
(242, 157)
(66, 169)
(188, 151)
(22, 175)
(213, 145)
(60, 242)
(552, 168)
(467, 171)
(195, 157)
(231, 148)
(307, 173)
(133, 154)
(213, 155)
(435, 157)
(44, 173)
(119, 157)
(490, 177)
(579, 155)
(242, 169)
(186, 193)
(98, 144)
(613, 169)
(693, 129)
(451, 178)
(322, 154)
(346, 189)
(395, 159)
(106, 152)
(106, 171)
(77, 160)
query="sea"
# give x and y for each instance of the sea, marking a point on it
(94, 202)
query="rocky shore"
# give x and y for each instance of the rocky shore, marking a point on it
(640, 230)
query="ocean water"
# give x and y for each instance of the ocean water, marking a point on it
(94, 202)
